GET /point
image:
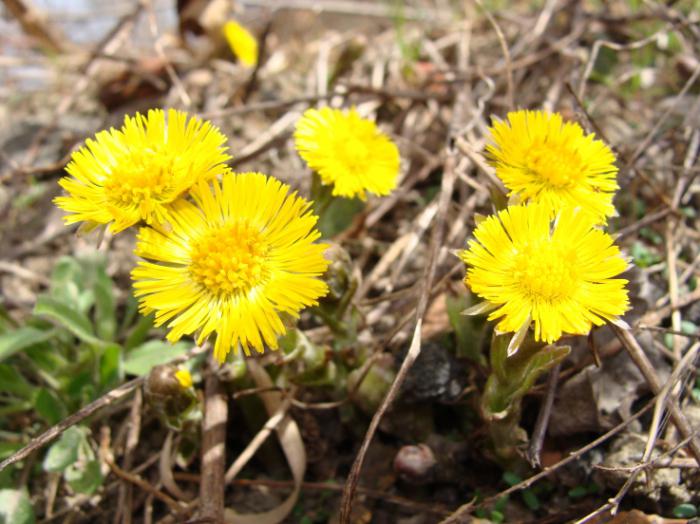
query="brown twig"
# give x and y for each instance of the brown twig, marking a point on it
(510, 93)
(642, 362)
(538, 434)
(80, 415)
(212, 485)
(125, 499)
(35, 24)
(173, 504)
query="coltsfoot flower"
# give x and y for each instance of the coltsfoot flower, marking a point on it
(541, 158)
(559, 275)
(136, 173)
(347, 151)
(232, 263)
(242, 43)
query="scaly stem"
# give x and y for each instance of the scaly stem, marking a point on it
(212, 484)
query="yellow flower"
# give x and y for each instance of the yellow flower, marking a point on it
(558, 275)
(541, 158)
(347, 151)
(242, 43)
(136, 173)
(232, 264)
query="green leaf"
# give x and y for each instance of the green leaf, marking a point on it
(339, 215)
(512, 377)
(131, 311)
(64, 451)
(531, 500)
(501, 503)
(12, 382)
(540, 362)
(8, 448)
(80, 387)
(64, 280)
(110, 365)
(22, 338)
(15, 507)
(141, 359)
(84, 477)
(139, 332)
(685, 511)
(578, 492)
(49, 407)
(468, 330)
(511, 478)
(105, 305)
(47, 358)
(71, 319)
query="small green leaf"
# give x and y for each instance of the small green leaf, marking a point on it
(80, 387)
(688, 327)
(110, 365)
(339, 215)
(15, 507)
(129, 314)
(15, 341)
(531, 500)
(105, 305)
(468, 331)
(141, 359)
(685, 511)
(74, 321)
(64, 278)
(47, 358)
(49, 407)
(578, 492)
(139, 332)
(12, 382)
(511, 478)
(84, 477)
(8, 448)
(497, 517)
(501, 503)
(64, 451)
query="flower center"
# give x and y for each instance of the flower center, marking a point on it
(546, 272)
(352, 153)
(231, 259)
(555, 164)
(140, 178)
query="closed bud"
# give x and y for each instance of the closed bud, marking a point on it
(339, 273)
(169, 392)
(415, 464)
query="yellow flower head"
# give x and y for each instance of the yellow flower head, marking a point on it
(558, 274)
(541, 158)
(347, 151)
(242, 43)
(232, 264)
(136, 173)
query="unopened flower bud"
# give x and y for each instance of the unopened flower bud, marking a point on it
(415, 464)
(169, 392)
(339, 273)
